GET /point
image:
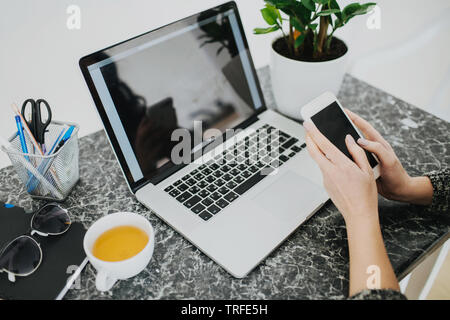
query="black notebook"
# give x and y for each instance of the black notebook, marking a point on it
(63, 256)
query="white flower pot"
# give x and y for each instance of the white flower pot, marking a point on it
(295, 83)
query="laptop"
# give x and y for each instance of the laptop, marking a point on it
(185, 115)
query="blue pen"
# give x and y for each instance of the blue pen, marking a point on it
(43, 167)
(65, 138)
(23, 143)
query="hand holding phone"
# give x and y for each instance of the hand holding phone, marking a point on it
(330, 119)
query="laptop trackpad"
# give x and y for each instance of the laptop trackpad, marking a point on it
(291, 196)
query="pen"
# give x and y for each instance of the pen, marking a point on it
(27, 129)
(64, 138)
(23, 143)
(43, 167)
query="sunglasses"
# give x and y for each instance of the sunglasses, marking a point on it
(23, 255)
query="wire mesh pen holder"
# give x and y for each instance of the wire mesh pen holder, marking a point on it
(52, 176)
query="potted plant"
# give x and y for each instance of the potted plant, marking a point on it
(307, 59)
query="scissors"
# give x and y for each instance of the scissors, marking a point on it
(37, 127)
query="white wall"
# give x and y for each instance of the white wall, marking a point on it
(39, 54)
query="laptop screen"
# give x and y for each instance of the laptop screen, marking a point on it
(196, 73)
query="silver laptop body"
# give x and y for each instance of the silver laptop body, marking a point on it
(246, 181)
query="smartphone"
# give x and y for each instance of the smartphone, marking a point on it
(329, 117)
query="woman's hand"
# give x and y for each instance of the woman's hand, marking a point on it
(394, 182)
(352, 188)
(351, 185)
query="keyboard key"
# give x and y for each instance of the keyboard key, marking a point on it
(207, 202)
(202, 184)
(238, 179)
(219, 182)
(175, 193)
(276, 163)
(230, 196)
(259, 164)
(183, 187)
(283, 158)
(213, 209)
(222, 203)
(227, 176)
(203, 193)
(168, 188)
(198, 208)
(296, 148)
(199, 176)
(184, 196)
(217, 174)
(194, 189)
(192, 201)
(214, 166)
(303, 145)
(246, 174)
(210, 179)
(211, 188)
(206, 171)
(177, 183)
(292, 154)
(235, 172)
(289, 143)
(215, 196)
(266, 159)
(191, 182)
(257, 177)
(223, 190)
(233, 163)
(253, 169)
(226, 168)
(205, 215)
(202, 167)
(231, 185)
(186, 177)
(194, 172)
(242, 167)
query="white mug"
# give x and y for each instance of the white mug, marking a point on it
(109, 272)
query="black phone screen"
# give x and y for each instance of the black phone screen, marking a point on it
(334, 125)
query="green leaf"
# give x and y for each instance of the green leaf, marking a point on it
(356, 9)
(269, 16)
(265, 30)
(351, 8)
(300, 39)
(313, 26)
(328, 12)
(335, 5)
(309, 4)
(321, 1)
(297, 24)
(274, 10)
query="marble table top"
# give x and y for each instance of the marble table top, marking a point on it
(311, 264)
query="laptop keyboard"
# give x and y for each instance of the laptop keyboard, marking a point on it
(211, 187)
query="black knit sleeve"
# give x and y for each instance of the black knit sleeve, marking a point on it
(441, 190)
(381, 294)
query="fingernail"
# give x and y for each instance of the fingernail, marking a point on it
(350, 139)
(362, 142)
(308, 125)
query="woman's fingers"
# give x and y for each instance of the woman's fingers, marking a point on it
(383, 154)
(327, 148)
(366, 128)
(316, 154)
(358, 154)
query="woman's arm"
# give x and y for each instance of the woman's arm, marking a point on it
(352, 188)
